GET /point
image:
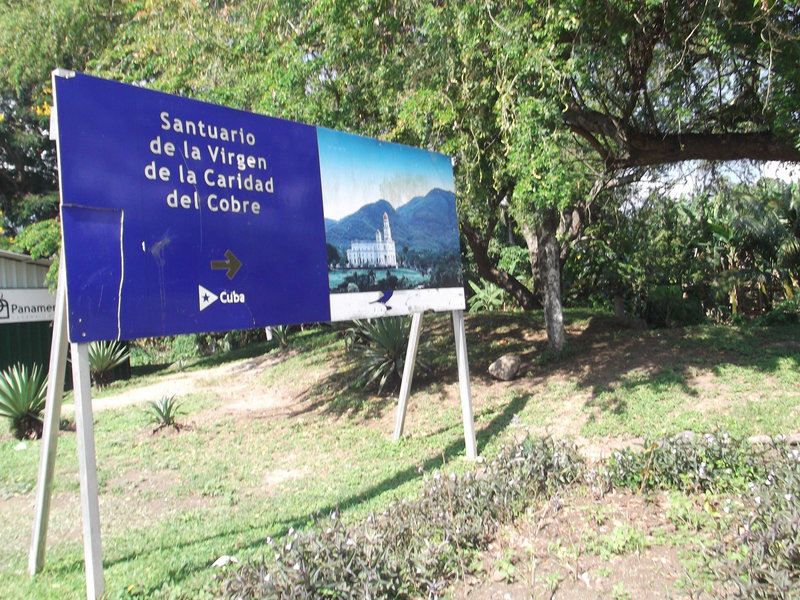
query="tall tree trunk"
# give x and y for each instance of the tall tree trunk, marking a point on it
(549, 267)
(532, 241)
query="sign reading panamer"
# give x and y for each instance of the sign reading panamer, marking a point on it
(180, 216)
(21, 305)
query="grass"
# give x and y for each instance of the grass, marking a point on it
(215, 474)
(172, 503)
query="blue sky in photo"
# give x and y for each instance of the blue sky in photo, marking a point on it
(357, 170)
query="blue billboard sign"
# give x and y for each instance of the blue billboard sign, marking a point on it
(180, 216)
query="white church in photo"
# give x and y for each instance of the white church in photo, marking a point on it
(380, 253)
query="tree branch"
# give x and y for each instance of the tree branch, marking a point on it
(645, 150)
(640, 149)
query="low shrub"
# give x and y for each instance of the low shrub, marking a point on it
(763, 558)
(164, 412)
(417, 546)
(760, 555)
(379, 350)
(486, 296)
(783, 313)
(686, 462)
(185, 347)
(281, 335)
(666, 307)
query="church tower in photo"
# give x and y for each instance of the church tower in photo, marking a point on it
(381, 253)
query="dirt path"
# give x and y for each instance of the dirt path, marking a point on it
(212, 379)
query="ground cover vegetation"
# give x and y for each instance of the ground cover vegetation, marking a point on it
(278, 470)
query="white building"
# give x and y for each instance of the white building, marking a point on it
(380, 253)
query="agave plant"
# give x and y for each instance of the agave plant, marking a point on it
(380, 349)
(103, 357)
(281, 333)
(22, 398)
(164, 412)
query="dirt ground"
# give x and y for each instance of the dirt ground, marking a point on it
(583, 548)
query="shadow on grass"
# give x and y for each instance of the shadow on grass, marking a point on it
(606, 356)
(339, 395)
(454, 450)
(145, 370)
(612, 361)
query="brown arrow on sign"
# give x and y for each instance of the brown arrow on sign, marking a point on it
(232, 264)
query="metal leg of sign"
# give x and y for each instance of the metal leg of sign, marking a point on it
(408, 373)
(52, 416)
(463, 382)
(87, 470)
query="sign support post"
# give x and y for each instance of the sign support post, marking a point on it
(408, 373)
(87, 470)
(52, 417)
(87, 464)
(463, 380)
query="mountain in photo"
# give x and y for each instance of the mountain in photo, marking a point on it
(425, 224)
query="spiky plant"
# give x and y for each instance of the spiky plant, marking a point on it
(281, 334)
(103, 357)
(164, 412)
(380, 346)
(22, 398)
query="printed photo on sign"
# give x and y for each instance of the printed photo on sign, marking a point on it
(390, 226)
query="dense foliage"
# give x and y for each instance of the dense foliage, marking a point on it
(733, 249)
(763, 560)
(35, 38)
(688, 462)
(547, 109)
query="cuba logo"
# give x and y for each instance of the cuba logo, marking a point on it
(206, 297)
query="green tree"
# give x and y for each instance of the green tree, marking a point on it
(756, 240)
(619, 85)
(730, 245)
(36, 37)
(547, 106)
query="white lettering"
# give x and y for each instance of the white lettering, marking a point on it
(152, 174)
(231, 297)
(204, 130)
